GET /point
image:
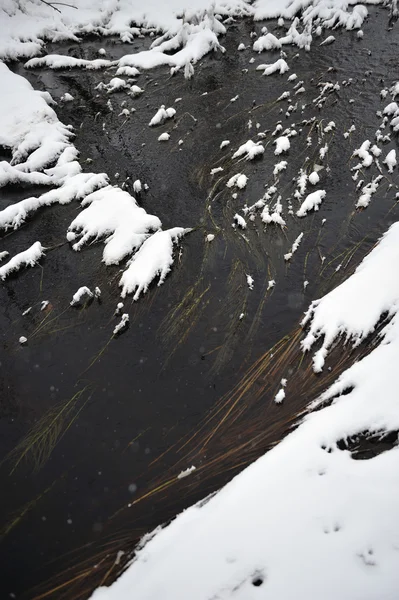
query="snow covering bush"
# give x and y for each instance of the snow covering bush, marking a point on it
(282, 144)
(250, 150)
(390, 160)
(266, 42)
(27, 258)
(155, 258)
(311, 202)
(279, 66)
(82, 293)
(239, 180)
(113, 214)
(162, 115)
(30, 128)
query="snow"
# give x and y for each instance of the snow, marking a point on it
(311, 202)
(266, 42)
(164, 137)
(390, 160)
(116, 84)
(367, 191)
(279, 66)
(122, 325)
(162, 115)
(250, 282)
(250, 150)
(119, 308)
(314, 178)
(23, 339)
(282, 144)
(113, 215)
(59, 61)
(279, 396)
(136, 90)
(30, 128)
(276, 216)
(240, 221)
(137, 187)
(210, 237)
(294, 248)
(339, 524)
(278, 167)
(329, 40)
(36, 138)
(67, 97)
(186, 472)
(80, 295)
(26, 258)
(154, 258)
(128, 71)
(364, 154)
(391, 108)
(239, 180)
(354, 308)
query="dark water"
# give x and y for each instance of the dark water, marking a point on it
(83, 416)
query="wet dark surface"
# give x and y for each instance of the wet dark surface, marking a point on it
(98, 411)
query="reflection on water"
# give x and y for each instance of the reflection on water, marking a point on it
(94, 429)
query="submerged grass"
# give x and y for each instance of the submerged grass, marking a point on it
(38, 445)
(240, 428)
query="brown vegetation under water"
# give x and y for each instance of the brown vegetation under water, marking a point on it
(240, 428)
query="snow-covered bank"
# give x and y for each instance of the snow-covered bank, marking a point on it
(29, 23)
(26, 25)
(306, 520)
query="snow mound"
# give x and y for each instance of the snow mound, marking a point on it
(27, 258)
(75, 187)
(60, 61)
(239, 180)
(162, 115)
(31, 130)
(311, 202)
(279, 66)
(266, 42)
(155, 258)
(390, 160)
(250, 150)
(282, 144)
(113, 215)
(80, 294)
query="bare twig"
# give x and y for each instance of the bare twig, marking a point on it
(55, 4)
